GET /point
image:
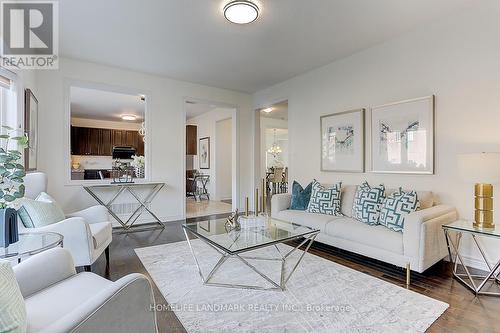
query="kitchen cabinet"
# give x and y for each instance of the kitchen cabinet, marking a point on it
(100, 141)
(191, 140)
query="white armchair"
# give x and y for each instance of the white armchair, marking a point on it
(59, 300)
(87, 233)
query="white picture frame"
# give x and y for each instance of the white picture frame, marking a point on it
(343, 141)
(402, 137)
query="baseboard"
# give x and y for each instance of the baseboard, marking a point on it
(474, 262)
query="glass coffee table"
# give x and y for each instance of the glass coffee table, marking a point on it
(475, 282)
(30, 244)
(240, 243)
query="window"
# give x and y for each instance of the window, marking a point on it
(8, 101)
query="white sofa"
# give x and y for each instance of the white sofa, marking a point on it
(87, 233)
(58, 300)
(420, 245)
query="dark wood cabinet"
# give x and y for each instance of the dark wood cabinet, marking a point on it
(100, 141)
(191, 140)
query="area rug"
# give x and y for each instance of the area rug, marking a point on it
(321, 296)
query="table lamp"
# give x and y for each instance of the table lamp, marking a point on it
(484, 170)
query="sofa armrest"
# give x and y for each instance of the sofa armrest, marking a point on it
(280, 202)
(127, 305)
(92, 214)
(43, 270)
(422, 234)
(77, 238)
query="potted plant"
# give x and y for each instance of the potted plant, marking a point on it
(138, 163)
(12, 175)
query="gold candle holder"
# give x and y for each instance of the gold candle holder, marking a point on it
(246, 206)
(263, 204)
(483, 215)
(256, 201)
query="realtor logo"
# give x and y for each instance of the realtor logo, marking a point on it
(29, 34)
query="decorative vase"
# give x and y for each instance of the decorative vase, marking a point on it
(9, 232)
(139, 172)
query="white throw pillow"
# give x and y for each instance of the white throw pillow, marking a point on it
(12, 306)
(40, 212)
(325, 200)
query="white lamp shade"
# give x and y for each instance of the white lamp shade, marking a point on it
(480, 167)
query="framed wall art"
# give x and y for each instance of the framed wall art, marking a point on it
(402, 137)
(204, 153)
(343, 141)
(31, 130)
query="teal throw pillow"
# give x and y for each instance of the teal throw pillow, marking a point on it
(300, 196)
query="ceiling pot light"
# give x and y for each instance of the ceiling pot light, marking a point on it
(128, 117)
(268, 110)
(241, 11)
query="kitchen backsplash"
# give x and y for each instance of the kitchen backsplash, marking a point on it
(91, 162)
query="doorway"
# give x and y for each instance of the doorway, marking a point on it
(273, 153)
(210, 158)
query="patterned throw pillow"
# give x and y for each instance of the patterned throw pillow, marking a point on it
(367, 203)
(325, 200)
(300, 196)
(395, 207)
(12, 306)
(40, 212)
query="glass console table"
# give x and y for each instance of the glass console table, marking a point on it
(476, 282)
(30, 244)
(239, 244)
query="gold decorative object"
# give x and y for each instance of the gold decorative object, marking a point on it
(483, 169)
(263, 205)
(483, 215)
(256, 201)
(246, 206)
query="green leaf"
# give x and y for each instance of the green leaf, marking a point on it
(8, 127)
(9, 166)
(22, 189)
(17, 138)
(9, 198)
(19, 166)
(19, 173)
(4, 136)
(18, 195)
(17, 180)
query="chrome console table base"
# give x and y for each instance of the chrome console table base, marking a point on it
(143, 204)
(457, 260)
(276, 286)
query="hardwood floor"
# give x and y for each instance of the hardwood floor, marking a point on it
(466, 313)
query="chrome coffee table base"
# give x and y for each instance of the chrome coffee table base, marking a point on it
(275, 285)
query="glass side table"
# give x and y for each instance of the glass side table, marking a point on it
(474, 282)
(30, 244)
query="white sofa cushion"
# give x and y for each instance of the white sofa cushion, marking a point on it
(12, 306)
(348, 194)
(49, 305)
(313, 220)
(377, 236)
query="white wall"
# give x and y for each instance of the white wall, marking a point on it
(223, 158)
(456, 58)
(206, 127)
(167, 133)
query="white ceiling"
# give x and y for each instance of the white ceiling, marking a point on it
(190, 39)
(194, 109)
(105, 105)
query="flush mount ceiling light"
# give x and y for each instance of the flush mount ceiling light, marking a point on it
(241, 11)
(128, 117)
(267, 110)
